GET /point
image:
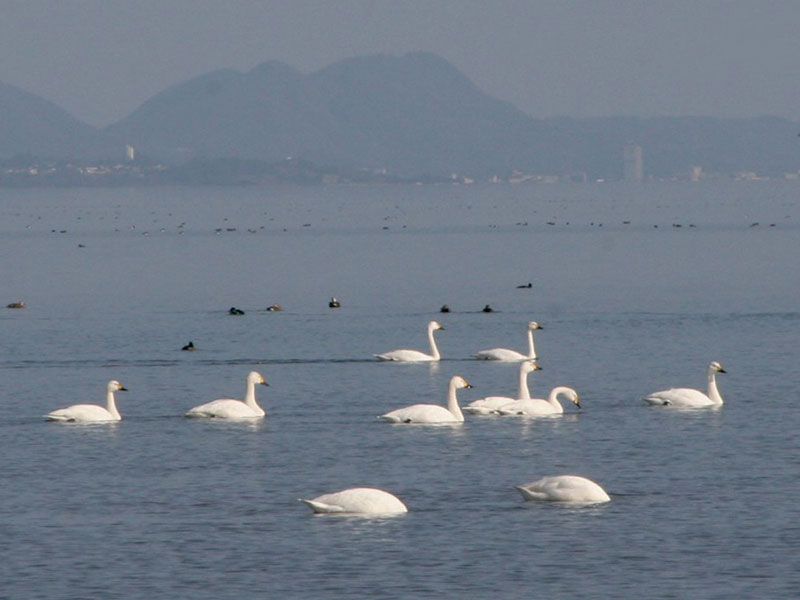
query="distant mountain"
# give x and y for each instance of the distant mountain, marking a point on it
(412, 116)
(34, 126)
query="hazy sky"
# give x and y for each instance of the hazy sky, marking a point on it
(100, 59)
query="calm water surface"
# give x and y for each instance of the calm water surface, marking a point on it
(638, 288)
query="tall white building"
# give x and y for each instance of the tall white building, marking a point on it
(632, 166)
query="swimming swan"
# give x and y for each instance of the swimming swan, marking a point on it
(227, 408)
(564, 488)
(687, 397)
(534, 407)
(432, 413)
(91, 413)
(488, 405)
(362, 501)
(511, 355)
(415, 355)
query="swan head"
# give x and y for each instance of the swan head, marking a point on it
(459, 382)
(716, 367)
(115, 386)
(534, 325)
(529, 366)
(255, 377)
(434, 325)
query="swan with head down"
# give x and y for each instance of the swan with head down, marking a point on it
(91, 413)
(564, 488)
(228, 408)
(432, 413)
(538, 407)
(688, 397)
(488, 405)
(508, 354)
(415, 355)
(357, 501)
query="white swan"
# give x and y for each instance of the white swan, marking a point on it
(363, 501)
(416, 355)
(432, 413)
(564, 488)
(91, 413)
(227, 408)
(511, 355)
(534, 407)
(488, 405)
(687, 397)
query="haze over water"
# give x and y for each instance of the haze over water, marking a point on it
(638, 288)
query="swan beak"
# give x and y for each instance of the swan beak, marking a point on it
(721, 370)
(263, 382)
(122, 388)
(577, 402)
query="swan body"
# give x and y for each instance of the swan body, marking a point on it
(690, 398)
(91, 413)
(432, 413)
(415, 355)
(490, 404)
(534, 407)
(564, 488)
(508, 354)
(360, 501)
(228, 408)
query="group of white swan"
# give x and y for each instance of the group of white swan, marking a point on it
(371, 501)
(224, 408)
(567, 489)
(503, 354)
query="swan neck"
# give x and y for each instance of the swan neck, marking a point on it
(432, 342)
(531, 348)
(713, 392)
(250, 394)
(553, 397)
(524, 392)
(452, 403)
(111, 406)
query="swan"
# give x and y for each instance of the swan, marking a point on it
(488, 405)
(507, 354)
(91, 413)
(564, 488)
(227, 408)
(533, 407)
(432, 413)
(415, 355)
(687, 397)
(364, 501)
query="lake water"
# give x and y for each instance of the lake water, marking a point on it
(637, 287)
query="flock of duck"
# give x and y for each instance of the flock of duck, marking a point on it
(557, 488)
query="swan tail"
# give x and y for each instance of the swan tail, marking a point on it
(321, 507)
(57, 417)
(656, 401)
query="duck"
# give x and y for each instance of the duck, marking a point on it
(91, 413)
(490, 404)
(404, 355)
(688, 397)
(536, 407)
(19, 304)
(235, 311)
(512, 355)
(334, 303)
(573, 489)
(488, 308)
(189, 347)
(228, 408)
(524, 286)
(357, 501)
(432, 413)
(274, 308)
(445, 308)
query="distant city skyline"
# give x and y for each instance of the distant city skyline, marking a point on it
(101, 59)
